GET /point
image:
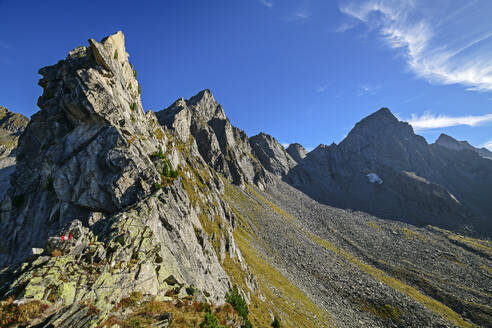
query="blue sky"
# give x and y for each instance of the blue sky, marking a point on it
(301, 70)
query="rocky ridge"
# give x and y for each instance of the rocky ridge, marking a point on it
(11, 127)
(451, 143)
(224, 147)
(92, 164)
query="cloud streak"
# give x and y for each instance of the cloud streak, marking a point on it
(302, 13)
(266, 3)
(454, 49)
(367, 89)
(430, 121)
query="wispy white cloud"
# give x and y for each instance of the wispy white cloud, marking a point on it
(285, 145)
(267, 3)
(321, 89)
(367, 89)
(487, 144)
(431, 121)
(303, 12)
(444, 44)
(408, 100)
(345, 26)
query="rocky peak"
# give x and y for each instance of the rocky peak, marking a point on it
(382, 135)
(12, 123)
(221, 145)
(296, 151)
(271, 154)
(380, 124)
(449, 142)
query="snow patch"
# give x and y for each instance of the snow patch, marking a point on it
(374, 178)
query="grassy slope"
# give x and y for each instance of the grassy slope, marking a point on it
(288, 302)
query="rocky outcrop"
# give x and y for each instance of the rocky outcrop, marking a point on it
(451, 143)
(296, 151)
(11, 127)
(93, 164)
(271, 154)
(224, 147)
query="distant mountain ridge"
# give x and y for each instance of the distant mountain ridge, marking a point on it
(451, 143)
(422, 183)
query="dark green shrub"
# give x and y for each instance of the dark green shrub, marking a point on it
(116, 54)
(167, 170)
(156, 186)
(276, 322)
(234, 298)
(210, 321)
(133, 106)
(134, 73)
(158, 154)
(139, 89)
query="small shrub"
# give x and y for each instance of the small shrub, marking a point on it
(234, 298)
(158, 154)
(168, 170)
(134, 73)
(116, 54)
(156, 186)
(210, 321)
(130, 86)
(133, 106)
(139, 89)
(276, 322)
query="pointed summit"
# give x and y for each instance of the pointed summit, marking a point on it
(380, 128)
(202, 96)
(296, 151)
(382, 114)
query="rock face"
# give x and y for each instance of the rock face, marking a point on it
(423, 184)
(296, 151)
(451, 143)
(224, 147)
(272, 154)
(11, 127)
(93, 158)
